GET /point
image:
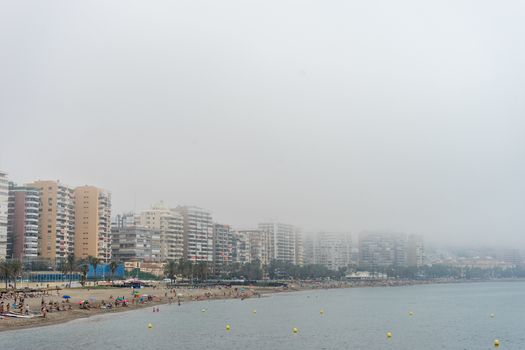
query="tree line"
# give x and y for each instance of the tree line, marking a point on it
(11, 270)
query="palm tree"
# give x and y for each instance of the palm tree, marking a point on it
(16, 268)
(68, 267)
(113, 265)
(170, 269)
(202, 270)
(84, 268)
(94, 261)
(180, 267)
(5, 271)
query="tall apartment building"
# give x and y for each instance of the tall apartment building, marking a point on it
(198, 233)
(415, 251)
(309, 248)
(299, 248)
(123, 220)
(259, 244)
(4, 195)
(512, 256)
(379, 250)
(240, 248)
(92, 223)
(170, 224)
(135, 243)
(285, 242)
(333, 250)
(223, 237)
(57, 220)
(23, 221)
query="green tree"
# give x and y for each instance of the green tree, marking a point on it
(84, 268)
(170, 269)
(252, 270)
(68, 267)
(185, 268)
(202, 270)
(113, 266)
(15, 270)
(5, 271)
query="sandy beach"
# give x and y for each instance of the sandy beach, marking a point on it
(99, 299)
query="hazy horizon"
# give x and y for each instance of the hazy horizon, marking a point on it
(339, 116)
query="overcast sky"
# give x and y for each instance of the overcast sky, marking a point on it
(405, 116)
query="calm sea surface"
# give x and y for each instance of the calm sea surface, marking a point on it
(452, 316)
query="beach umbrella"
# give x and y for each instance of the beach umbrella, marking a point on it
(66, 297)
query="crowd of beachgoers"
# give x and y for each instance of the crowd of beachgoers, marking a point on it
(52, 304)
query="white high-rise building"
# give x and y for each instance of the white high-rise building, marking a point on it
(198, 233)
(23, 222)
(379, 250)
(415, 251)
(223, 247)
(285, 242)
(259, 244)
(329, 249)
(4, 197)
(169, 223)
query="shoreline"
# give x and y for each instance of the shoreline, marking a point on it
(204, 294)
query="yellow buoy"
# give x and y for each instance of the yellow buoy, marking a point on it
(496, 343)
(254, 311)
(321, 312)
(228, 328)
(150, 325)
(410, 313)
(389, 334)
(295, 330)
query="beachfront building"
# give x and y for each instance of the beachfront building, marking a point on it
(285, 242)
(170, 224)
(4, 197)
(198, 233)
(223, 236)
(23, 221)
(259, 245)
(240, 248)
(308, 246)
(123, 220)
(379, 250)
(299, 248)
(415, 251)
(512, 256)
(92, 223)
(330, 249)
(57, 220)
(135, 243)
